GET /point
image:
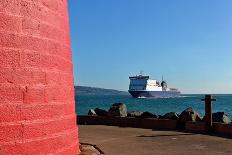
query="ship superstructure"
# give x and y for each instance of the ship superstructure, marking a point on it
(142, 86)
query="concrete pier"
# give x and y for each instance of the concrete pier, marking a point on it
(133, 141)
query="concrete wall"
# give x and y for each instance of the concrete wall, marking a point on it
(37, 110)
(199, 127)
(223, 129)
(217, 128)
(150, 123)
(147, 123)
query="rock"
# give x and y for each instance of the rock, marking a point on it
(92, 112)
(171, 115)
(221, 117)
(134, 114)
(88, 149)
(148, 115)
(189, 115)
(118, 109)
(101, 112)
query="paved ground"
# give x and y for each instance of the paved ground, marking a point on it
(134, 141)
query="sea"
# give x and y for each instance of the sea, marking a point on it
(158, 106)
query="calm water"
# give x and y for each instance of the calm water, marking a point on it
(158, 106)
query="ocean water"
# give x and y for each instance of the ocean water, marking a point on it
(157, 106)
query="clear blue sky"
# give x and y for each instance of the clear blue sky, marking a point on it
(187, 41)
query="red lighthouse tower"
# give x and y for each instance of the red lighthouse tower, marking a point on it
(37, 110)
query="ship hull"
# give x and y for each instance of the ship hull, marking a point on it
(155, 94)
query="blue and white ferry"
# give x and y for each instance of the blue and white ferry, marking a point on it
(144, 87)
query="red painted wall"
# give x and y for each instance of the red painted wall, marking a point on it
(37, 110)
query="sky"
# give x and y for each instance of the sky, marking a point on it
(189, 42)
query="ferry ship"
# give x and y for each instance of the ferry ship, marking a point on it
(144, 87)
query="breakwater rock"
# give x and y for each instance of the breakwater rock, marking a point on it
(220, 117)
(92, 112)
(170, 115)
(134, 114)
(188, 120)
(188, 115)
(147, 114)
(118, 109)
(101, 112)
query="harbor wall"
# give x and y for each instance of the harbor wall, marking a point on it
(219, 129)
(223, 129)
(37, 110)
(147, 123)
(199, 127)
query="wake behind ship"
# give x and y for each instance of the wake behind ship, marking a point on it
(143, 87)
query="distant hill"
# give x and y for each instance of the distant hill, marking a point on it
(83, 90)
